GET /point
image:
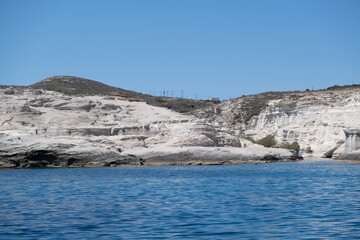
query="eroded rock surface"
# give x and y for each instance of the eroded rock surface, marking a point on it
(49, 129)
(314, 119)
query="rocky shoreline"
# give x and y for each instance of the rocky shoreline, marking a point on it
(188, 156)
(52, 153)
(41, 128)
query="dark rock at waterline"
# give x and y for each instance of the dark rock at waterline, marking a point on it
(69, 155)
(48, 158)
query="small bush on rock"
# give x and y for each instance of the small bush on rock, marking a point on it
(293, 146)
(268, 141)
(62, 89)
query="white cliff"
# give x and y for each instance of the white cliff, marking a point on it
(315, 119)
(45, 128)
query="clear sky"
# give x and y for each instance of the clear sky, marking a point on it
(207, 48)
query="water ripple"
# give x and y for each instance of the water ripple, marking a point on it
(318, 199)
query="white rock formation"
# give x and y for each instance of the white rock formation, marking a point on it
(44, 128)
(315, 119)
(352, 145)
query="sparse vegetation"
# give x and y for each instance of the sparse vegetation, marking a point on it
(62, 89)
(293, 146)
(80, 86)
(337, 87)
(268, 141)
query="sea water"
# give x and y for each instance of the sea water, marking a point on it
(307, 199)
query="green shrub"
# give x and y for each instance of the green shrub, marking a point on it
(285, 145)
(293, 146)
(268, 141)
(62, 89)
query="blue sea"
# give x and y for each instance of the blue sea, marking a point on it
(317, 199)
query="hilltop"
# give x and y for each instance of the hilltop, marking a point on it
(80, 86)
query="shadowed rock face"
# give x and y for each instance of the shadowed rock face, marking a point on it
(52, 154)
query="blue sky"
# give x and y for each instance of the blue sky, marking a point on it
(206, 48)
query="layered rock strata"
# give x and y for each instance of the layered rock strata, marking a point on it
(48, 129)
(314, 119)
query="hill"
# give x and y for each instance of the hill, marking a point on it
(80, 86)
